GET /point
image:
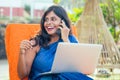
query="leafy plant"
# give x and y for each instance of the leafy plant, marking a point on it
(56, 1)
(111, 14)
(27, 8)
(114, 32)
(74, 16)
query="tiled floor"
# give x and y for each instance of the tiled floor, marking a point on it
(4, 70)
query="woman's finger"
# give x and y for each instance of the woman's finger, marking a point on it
(60, 28)
(63, 24)
(26, 44)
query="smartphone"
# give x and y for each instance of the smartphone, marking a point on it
(58, 32)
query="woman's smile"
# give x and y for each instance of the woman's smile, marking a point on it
(51, 29)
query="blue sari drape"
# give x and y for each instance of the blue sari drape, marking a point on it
(43, 63)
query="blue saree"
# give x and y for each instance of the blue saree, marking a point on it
(43, 63)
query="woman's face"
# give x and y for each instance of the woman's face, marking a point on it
(52, 22)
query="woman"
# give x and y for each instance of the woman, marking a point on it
(36, 55)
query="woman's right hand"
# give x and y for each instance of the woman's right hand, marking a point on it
(25, 45)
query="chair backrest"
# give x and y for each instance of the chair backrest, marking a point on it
(14, 34)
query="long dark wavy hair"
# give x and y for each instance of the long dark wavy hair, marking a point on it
(43, 38)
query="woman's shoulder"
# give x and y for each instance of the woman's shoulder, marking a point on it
(71, 36)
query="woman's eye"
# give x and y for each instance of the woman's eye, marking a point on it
(53, 19)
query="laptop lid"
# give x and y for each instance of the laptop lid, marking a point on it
(76, 57)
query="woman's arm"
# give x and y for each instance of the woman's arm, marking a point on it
(26, 57)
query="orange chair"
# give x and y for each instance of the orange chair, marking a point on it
(15, 33)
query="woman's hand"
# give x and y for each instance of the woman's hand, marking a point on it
(26, 57)
(24, 45)
(64, 31)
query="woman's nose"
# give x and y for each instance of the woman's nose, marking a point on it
(49, 22)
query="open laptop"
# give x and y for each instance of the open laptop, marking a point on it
(75, 57)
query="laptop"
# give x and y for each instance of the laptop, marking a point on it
(75, 57)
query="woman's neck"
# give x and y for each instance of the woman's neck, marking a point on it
(54, 39)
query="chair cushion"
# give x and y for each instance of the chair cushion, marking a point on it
(13, 36)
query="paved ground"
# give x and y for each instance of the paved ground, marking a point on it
(4, 70)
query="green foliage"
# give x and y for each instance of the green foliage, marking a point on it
(27, 8)
(115, 34)
(117, 10)
(4, 18)
(111, 13)
(74, 16)
(56, 1)
(104, 8)
(112, 30)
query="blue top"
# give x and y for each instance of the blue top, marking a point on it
(43, 63)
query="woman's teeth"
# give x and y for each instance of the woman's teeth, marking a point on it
(50, 27)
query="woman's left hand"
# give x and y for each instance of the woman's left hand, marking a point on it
(64, 31)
